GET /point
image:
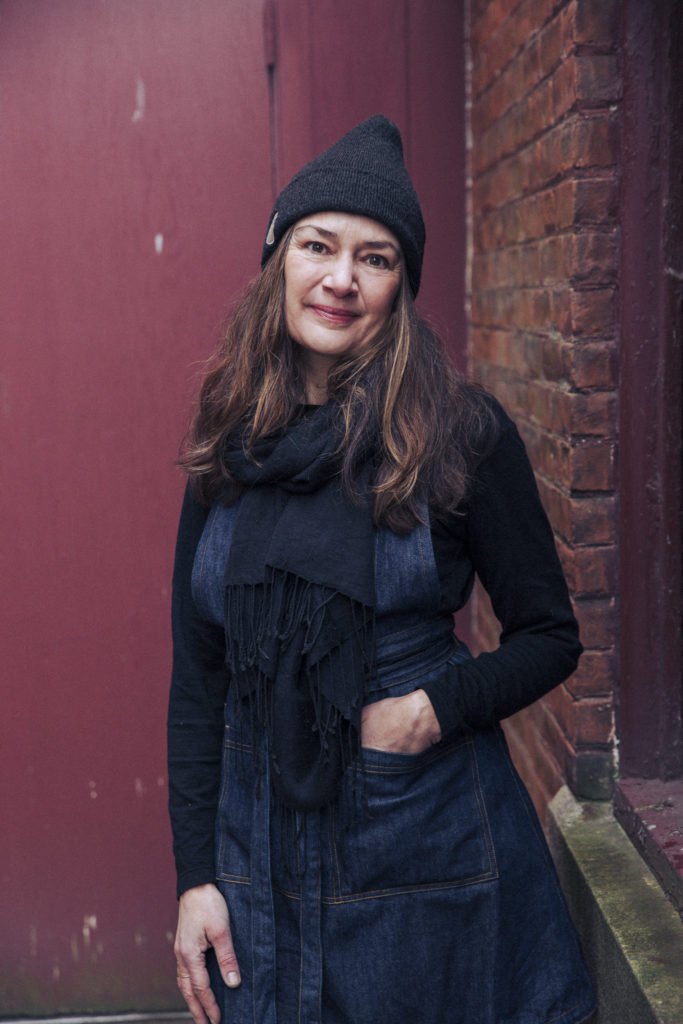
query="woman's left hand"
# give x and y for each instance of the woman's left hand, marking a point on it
(400, 725)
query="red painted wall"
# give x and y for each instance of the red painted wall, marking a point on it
(135, 163)
(136, 182)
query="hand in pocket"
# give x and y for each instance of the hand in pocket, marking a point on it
(400, 725)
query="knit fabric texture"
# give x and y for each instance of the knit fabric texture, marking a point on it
(362, 173)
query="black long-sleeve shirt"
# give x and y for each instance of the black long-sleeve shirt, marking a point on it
(501, 533)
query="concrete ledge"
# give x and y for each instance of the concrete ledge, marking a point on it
(632, 937)
(163, 1017)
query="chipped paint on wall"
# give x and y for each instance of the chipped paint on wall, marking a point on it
(139, 111)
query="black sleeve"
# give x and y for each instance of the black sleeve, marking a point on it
(512, 549)
(195, 715)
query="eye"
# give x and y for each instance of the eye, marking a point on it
(374, 259)
(315, 246)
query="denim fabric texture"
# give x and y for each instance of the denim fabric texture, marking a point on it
(426, 893)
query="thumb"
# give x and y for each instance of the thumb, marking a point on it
(227, 961)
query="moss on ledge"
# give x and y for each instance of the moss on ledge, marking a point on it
(631, 934)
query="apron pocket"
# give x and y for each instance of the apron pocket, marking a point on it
(416, 821)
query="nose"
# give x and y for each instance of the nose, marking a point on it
(341, 277)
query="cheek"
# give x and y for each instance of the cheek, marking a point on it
(383, 301)
(299, 282)
(292, 293)
(290, 317)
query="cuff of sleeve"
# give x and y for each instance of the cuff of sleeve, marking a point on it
(196, 876)
(441, 693)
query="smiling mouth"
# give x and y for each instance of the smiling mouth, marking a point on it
(334, 315)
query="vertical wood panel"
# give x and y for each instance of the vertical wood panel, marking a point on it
(436, 117)
(340, 63)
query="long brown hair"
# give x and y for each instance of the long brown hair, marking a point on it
(399, 396)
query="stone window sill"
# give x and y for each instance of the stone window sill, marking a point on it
(651, 814)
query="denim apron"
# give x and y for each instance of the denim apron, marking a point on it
(425, 894)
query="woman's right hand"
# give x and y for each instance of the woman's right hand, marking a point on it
(203, 921)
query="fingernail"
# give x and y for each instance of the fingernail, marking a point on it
(233, 979)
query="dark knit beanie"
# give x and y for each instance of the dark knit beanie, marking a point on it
(363, 173)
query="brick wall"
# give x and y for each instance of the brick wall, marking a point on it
(544, 250)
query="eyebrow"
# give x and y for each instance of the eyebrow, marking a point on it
(366, 244)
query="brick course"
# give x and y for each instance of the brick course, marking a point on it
(545, 92)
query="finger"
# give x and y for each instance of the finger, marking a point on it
(197, 993)
(193, 1004)
(208, 1003)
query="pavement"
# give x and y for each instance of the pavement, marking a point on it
(180, 1017)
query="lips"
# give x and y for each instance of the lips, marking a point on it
(333, 314)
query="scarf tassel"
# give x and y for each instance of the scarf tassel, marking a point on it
(299, 654)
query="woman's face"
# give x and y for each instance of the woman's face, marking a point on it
(342, 274)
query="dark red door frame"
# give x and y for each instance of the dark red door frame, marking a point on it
(649, 797)
(650, 417)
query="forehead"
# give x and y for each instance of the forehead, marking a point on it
(348, 225)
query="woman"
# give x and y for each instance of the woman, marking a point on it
(352, 842)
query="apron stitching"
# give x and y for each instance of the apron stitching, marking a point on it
(482, 809)
(408, 890)
(332, 846)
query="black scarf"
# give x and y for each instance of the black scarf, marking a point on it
(300, 597)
